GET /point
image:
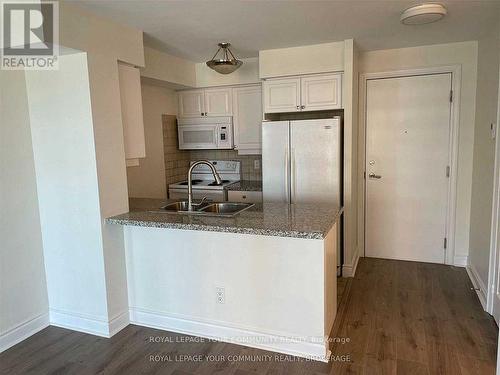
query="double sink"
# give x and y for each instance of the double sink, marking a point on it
(224, 209)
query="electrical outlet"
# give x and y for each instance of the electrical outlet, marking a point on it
(221, 295)
(256, 164)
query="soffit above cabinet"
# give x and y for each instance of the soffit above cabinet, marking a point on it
(317, 58)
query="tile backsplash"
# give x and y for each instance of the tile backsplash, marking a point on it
(247, 161)
(177, 161)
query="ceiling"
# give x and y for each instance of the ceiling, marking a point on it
(191, 29)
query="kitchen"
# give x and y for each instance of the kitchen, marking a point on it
(301, 195)
(223, 196)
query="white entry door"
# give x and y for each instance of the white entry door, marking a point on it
(407, 156)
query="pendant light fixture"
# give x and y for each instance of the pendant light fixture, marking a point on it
(227, 63)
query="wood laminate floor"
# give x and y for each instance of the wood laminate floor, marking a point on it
(399, 317)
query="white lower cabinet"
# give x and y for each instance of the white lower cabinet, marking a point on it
(244, 196)
(247, 119)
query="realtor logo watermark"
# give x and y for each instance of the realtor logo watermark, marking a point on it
(30, 35)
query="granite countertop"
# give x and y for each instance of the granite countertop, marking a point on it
(245, 185)
(311, 221)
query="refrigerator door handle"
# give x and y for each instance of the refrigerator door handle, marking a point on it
(287, 198)
(292, 176)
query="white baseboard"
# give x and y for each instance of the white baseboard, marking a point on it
(23, 331)
(349, 270)
(460, 260)
(214, 330)
(118, 323)
(478, 284)
(88, 324)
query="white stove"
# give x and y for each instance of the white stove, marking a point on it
(204, 184)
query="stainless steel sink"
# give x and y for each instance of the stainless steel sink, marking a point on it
(226, 208)
(207, 208)
(182, 207)
(176, 206)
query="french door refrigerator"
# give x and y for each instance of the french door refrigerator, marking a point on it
(301, 161)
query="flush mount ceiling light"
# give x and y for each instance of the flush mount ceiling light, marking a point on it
(227, 63)
(423, 13)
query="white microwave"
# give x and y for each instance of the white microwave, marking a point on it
(205, 133)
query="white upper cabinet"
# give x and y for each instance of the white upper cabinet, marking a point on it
(131, 102)
(205, 102)
(281, 95)
(247, 119)
(191, 103)
(321, 92)
(218, 102)
(306, 93)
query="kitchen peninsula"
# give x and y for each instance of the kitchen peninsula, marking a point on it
(264, 278)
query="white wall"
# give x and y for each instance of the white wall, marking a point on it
(106, 42)
(273, 285)
(65, 164)
(247, 73)
(23, 294)
(181, 73)
(101, 270)
(316, 58)
(465, 55)
(350, 100)
(484, 158)
(167, 68)
(148, 179)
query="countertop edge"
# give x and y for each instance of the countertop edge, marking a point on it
(313, 235)
(214, 228)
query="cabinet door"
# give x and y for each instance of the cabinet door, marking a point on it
(281, 95)
(247, 119)
(320, 92)
(218, 102)
(131, 102)
(191, 103)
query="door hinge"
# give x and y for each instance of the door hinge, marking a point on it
(451, 96)
(445, 242)
(364, 175)
(447, 171)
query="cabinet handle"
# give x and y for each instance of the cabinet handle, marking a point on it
(202, 114)
(298, 107)
(244, 196)
(302, 106)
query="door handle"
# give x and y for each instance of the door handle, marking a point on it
(375, 176)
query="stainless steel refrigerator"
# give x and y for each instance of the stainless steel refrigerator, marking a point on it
(301, 161)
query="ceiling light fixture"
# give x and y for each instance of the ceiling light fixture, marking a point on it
(423, 13)
(227, 63)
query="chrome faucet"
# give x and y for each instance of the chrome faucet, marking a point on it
(217, 178)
